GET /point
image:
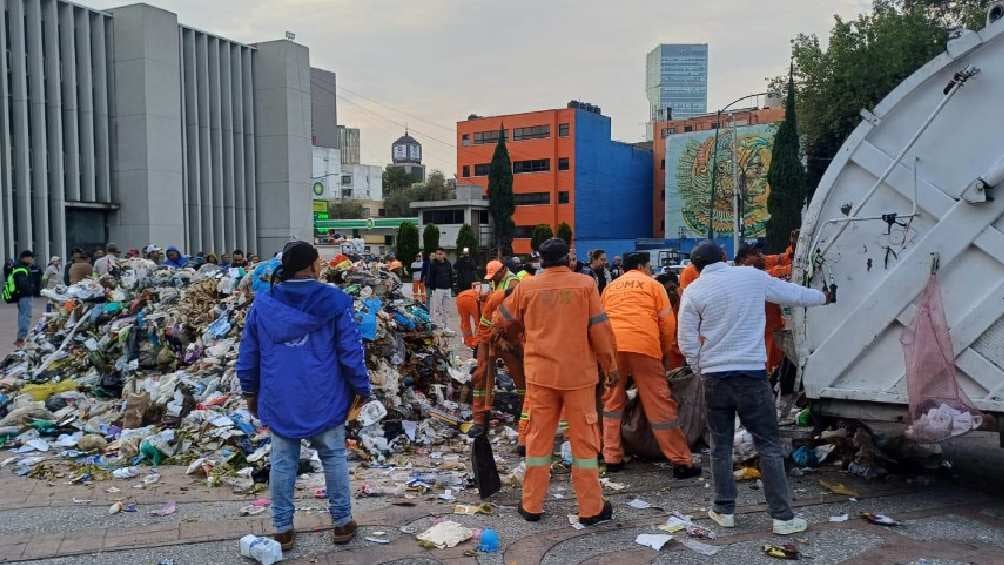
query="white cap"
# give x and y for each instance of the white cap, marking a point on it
(467, 250)
(150, 249)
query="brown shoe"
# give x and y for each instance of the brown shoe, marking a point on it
(285, 539)
(344, 534)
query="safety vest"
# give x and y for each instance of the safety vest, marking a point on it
(505, 283)
(9, 289)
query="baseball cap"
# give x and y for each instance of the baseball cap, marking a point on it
(492, 269)
(150, 249)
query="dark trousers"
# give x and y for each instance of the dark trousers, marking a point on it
(749, 395)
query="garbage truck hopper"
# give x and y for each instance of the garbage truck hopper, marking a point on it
(919, 185)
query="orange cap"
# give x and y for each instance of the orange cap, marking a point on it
(492, 269)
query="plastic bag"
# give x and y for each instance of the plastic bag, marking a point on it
(688, 391)
(939, 409)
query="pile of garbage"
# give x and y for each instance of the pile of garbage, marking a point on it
(138, 367)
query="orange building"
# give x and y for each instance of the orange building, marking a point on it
(665, 128)
(565, 167)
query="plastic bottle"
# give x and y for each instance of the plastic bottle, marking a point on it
(263, 550)
(566, 453)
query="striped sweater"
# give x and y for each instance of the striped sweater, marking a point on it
(721, 321)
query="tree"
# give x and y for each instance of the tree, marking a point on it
(467, 238)
(407, 242)
(397, 203)
(786, 177)
(395, 179)
(565, 233)
(501, 204)
(540, 234)
(954, 13)
(435, 188)
(866, 58)
(345, 209)
(430, 238)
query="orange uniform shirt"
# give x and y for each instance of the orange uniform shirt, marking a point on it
(566, 331)
(470, 316)
(641, 315)
(688, 275)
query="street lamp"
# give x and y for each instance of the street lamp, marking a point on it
(735, 189)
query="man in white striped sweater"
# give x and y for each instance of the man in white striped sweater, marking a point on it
(721, 335)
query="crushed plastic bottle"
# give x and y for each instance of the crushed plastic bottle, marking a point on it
(263, 550)
(566, 453)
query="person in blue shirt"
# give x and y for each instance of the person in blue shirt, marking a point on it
(175, 258)
(301, 363)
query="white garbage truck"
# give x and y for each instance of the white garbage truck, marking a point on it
(918, 186)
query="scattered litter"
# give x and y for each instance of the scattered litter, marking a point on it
(655, 541)
(639, 504)
(252, 510)
(126, 473)
(489, 541)
(131, 507)
(410, 530)
(447, 495)
(838, 488)
(573, 521)
(747, 474)
(700, 532)
(377, 540)
(787, 551)
(840, 518)
(607, 483)
(169, 507)
(485, 508)
(444, 534)
(263, 550)
(701, 548)
(880, 519)
(115, 508)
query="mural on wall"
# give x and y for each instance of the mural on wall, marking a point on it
(688, 180)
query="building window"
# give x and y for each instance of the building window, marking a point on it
(532, 132)
(533, 166)
(562, 130)
(532, 198)
(346, 180)
(443, 217)
(688, 128)
(347, 193)
(563, 163)
(662, 225)
(467, 170)
(381, 212)
(714, 125)
(481, 217)
(523, 231)
(563, 197)
(481, 169)
(662, 165)
(466, 139)
(491, 136)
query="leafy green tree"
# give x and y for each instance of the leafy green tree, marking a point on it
(501, 204)
(954, 13)
(395, 179)
(397, 203)
(345, 209)
(467, 238)
(786, 177)
(565, 233)
(407, 242)
(865, 59)
(540, 234)
(430, 238)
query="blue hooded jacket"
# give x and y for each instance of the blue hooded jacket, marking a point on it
(302, 355)
(181, 260)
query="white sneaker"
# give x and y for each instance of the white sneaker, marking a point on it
(788, 527)
(723, 520)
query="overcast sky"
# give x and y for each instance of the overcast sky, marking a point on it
(430, 63)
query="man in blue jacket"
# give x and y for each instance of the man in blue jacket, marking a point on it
(301, 362)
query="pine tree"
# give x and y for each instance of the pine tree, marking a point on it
(430, 239)
(565, 233)
(407, 242)
(786, 177)
(501, 204)
(541, 233)
(467, 238)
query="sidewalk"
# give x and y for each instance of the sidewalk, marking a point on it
(8, 323)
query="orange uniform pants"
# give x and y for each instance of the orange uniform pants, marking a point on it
(657, 401)
(546, 405)
(484, 386)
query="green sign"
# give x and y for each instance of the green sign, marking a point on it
(318, 188)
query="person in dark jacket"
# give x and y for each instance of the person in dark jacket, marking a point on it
(467, 271)
(439, 284)
(598, 269)
(301, 363)
(25, 287)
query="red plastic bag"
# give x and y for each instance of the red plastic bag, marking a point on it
(939, 409)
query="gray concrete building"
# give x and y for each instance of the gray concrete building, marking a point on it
(125, 125)
(349, 143)
(323, 109)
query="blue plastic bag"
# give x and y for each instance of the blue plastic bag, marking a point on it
(263, 274)
(367, 318)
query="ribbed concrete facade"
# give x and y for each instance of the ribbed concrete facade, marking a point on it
(55, 149)
(127, 126)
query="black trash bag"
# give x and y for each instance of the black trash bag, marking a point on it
(688, 392)
(486, 474)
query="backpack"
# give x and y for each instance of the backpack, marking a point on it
(10, 291)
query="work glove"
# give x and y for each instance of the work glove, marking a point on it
(476, 431)
(613, 377)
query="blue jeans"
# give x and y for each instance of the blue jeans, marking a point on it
(748, 394)
(285, 459)
(23, 316)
